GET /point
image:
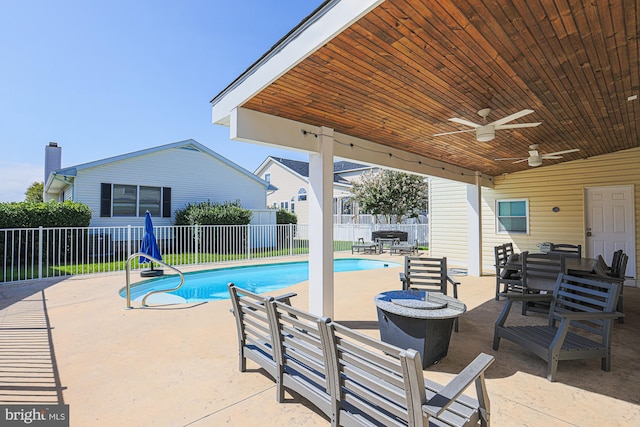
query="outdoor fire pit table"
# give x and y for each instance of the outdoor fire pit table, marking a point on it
(419, 320)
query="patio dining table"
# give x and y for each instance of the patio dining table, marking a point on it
(388, 240)
(571, 265)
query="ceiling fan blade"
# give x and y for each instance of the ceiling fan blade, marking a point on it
(561, 152)
(512, 117)
(510, 158)
(546, 156)
(451, 133)
(521, 160)
(518, 125)
(464, 122)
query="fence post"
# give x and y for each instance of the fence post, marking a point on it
(248, 241)
(196, 243)
(40, 252)
(290, 239)
(128, 240)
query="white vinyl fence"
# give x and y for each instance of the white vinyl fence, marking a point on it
(36, 253)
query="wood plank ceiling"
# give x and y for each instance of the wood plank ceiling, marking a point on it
(396, 76)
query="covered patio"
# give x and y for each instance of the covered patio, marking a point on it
(178, 365)
(378, 82)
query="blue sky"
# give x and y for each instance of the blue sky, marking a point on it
(103, 78)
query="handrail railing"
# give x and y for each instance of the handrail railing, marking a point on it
(128, 278)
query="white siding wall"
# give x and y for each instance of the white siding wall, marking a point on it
(560, 185)
(448, 220)
(192, 175)
(288, 185)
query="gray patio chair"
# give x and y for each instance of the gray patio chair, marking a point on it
(539, 274)
(507, 274)
(428, 274)
(566, 249)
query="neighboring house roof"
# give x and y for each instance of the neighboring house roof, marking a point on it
(189, 144)
(302, 168)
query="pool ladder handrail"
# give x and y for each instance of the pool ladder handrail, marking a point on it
(128, 278)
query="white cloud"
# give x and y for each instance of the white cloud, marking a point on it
(15, 178)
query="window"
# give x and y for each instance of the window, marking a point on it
(302, 195)
(267, 177)
(513, 216)
(133, 200)
(149, 201)
(124, 200)
(284, 205)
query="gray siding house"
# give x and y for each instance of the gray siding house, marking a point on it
(119, 190)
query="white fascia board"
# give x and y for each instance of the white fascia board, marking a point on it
(265, 129)
(330, 21)
(364, 151)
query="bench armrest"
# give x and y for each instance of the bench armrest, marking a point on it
(527, 297)
(474, 371)
(286, 297)
(590, 316)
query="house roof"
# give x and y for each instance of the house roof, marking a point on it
(393, 73)
(54, 180)
(302, 168)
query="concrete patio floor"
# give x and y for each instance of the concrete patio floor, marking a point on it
(72, 341)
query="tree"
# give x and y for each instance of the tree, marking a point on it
(34, 192)
(391, 193)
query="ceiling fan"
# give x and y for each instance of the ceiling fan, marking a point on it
(535, 158)
(487, 131)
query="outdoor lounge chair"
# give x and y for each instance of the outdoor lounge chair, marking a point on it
(366, 247)
(404, 248)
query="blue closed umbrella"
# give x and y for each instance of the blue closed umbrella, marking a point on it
(149, 245)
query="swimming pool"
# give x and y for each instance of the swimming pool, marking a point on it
(212, 284)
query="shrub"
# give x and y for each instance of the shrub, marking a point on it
(208, 213)
(50, 214)
(286, 217)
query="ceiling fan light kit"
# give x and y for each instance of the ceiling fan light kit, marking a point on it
(534, 161)
(487, 131)
(535, 158)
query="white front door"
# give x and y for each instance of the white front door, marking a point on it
(609, 221)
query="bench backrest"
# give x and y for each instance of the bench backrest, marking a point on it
(300, 354)
(429, 274)
(581, 295)
(372, 379)
(253, 326)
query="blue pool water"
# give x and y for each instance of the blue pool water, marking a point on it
(212, 284)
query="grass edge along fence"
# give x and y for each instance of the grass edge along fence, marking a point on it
(38, 253)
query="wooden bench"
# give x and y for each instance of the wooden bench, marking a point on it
(581, 311)
(352, 378)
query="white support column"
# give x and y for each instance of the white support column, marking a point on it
(474, 231)
(321, 226)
